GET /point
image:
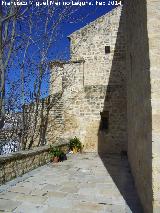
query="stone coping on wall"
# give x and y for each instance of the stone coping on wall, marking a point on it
(19, 163)
(27, 153)
(61, 63)
(22, 154)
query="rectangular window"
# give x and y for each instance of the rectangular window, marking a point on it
(107, 49)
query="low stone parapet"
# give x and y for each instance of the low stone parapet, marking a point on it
(19, 163)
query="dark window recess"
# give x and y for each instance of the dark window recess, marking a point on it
(104, 120)
(107, 49)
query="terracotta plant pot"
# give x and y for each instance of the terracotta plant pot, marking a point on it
(75, 150)
(55, 159)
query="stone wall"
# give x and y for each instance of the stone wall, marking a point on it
(143, 36)
(19, 163)
(153, 25)
(93, 84)
(43, 120)
(121, 86)
(108, 96)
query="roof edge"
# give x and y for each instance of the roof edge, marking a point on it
(106, 14)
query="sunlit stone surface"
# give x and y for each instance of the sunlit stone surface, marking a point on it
(84, 183)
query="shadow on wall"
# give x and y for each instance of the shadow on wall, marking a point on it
(128, 99)
(112, 135)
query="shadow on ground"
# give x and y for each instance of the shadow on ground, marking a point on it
(119, 170)
(114, 140)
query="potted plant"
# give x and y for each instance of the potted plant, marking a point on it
(56, 153)
(75, 145)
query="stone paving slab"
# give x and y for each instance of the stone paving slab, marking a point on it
(84, 183)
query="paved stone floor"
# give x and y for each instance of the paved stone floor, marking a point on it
(84, 183)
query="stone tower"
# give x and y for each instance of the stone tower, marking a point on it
(93, 85)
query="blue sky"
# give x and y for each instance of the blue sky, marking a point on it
(61, 48)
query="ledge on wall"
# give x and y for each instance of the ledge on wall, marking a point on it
(61, 63)
(19, 163)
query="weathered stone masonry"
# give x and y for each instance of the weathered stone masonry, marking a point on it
(93, 84)
(143, 99)
(110, 91)
(19, 163)
(107, 95)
